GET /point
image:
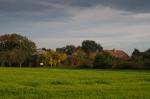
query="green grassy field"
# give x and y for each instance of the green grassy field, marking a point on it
(46, 83)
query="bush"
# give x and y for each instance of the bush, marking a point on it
(124, 65)
(147, 64)
(101, 62)
(130, 65)
(86, 63)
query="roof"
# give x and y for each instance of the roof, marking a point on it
(118, 54)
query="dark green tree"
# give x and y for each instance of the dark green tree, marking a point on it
(69, 49)
(135, 53)
(147, 54)
(99, 62)
(142, 59)
(91, 46)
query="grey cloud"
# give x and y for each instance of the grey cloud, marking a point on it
(40, 5)
(49, 10)
(138, 6)
(22, 5)
(115, 23)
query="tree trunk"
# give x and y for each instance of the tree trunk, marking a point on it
(20, 65)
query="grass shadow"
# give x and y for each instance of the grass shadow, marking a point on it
(95, 82)
(60, 82)
(31, 84)
(147, 79)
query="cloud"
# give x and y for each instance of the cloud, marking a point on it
(119, 29)
(122, 24)
(22, 5)
(41, 5)
(49, 10)
(138, 6)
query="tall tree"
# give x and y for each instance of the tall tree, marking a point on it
(15, 49)
(137, 55)
(91, 46)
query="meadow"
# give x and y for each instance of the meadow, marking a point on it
(47, 83)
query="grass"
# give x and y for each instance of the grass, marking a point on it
(46, 83)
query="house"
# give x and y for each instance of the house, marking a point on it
(60, 50)
(39, 51)
(34, 60)
(118, 54)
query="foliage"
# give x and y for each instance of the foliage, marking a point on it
(147, 54)
(105, 60)
(91, 46)
(137, 55)
(15, 49)
(70, 49)
(86, 63)
(52, 58)
(100, 61)
(79, 55)
(43, 58)
(147, 64)
(81, 59)
(141, 58)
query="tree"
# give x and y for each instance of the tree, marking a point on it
(80, 56)
(141, 58)
(82, 59)
(147, 54)
(62, 57)
(43, 58)
(15, 49)
(91, 46)
(69, 49)
(136, 54)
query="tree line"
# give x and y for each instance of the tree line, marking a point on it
(18, 51)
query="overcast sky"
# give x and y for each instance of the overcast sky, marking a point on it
(119, 24)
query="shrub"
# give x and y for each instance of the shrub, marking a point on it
(147, 64)
(101, 62)
(87, 63)
(130, 65)
(124, 65)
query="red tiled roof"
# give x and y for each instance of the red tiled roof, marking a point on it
(119, 54)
